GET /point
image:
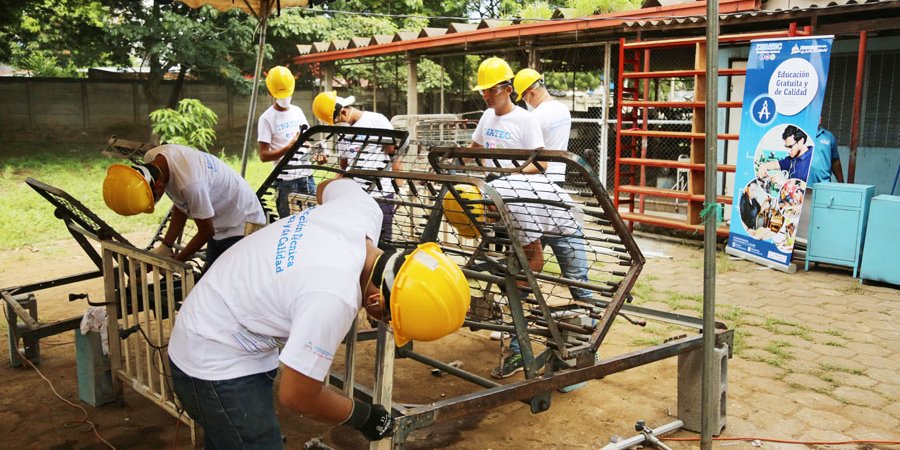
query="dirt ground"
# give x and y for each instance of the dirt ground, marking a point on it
(818, 359)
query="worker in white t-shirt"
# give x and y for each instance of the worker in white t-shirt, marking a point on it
(554, 117)
(287, 295)
(503, 124)
(334, 110)
(278, 129)
(201, 187)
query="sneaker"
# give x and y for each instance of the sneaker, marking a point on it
(512, 364)
(576, 386)
(496, 335)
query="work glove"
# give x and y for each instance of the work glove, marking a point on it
(163, 250)
(373, 421)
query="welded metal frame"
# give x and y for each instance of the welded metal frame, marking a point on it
(454, 166)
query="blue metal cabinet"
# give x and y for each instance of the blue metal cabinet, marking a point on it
(881, 254)
(837, 226)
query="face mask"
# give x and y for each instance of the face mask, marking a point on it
(283, 102)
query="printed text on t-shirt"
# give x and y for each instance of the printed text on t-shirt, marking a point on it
(289, 241)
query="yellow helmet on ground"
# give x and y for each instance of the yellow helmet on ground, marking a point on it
(524, 79)
(429, 295)
(126, 190)
(455, 213)
(492, 72)
(280, 82)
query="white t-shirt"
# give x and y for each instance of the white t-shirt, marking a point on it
(204, 187)
(533, 220)
(277, 128)
(371, 157)
(515, 129)
(556, 125)
(293, 284)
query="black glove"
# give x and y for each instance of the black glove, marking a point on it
(373, 421)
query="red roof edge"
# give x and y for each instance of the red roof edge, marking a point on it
(531, 29)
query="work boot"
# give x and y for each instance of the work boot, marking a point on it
(512, 364)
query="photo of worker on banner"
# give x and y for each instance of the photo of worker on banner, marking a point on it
(783, 96)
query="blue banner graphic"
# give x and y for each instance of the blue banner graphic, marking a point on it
(783, 96)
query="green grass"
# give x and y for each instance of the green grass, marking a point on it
(27, 218)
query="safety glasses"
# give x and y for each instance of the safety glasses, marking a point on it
(494, 90)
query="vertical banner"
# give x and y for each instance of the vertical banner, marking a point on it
(783, 96)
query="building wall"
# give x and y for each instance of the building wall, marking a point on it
(47, 108)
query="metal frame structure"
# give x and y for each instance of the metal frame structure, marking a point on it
(508, 295)
(633, 131)
(84, 226)
(142, 293)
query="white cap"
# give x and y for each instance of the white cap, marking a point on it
(345, 101)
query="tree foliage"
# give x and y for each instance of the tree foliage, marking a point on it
(192, 124)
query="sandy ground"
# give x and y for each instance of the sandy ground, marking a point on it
(819, 360)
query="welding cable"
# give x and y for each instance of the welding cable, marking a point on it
(784, 441)
(69, 424)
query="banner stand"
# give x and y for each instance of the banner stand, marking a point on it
(789, 269)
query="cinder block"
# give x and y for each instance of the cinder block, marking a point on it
(690, 373)
(94, 371)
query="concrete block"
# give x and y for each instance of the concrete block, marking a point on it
(94, 371)
(690, 372)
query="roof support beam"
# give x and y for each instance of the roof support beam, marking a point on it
(412, 81)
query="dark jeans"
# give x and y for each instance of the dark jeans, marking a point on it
(387, 233)
(215, 248)
(234, 414)
(302, 185)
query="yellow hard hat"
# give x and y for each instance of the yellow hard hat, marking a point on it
(524, 79)
(429, 297)
(126, 190)
(492, 72)
(455, 213)
(323, 106)
(280, 82)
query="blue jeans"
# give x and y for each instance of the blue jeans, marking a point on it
(571, 254)
(302, 185)
(235, 414)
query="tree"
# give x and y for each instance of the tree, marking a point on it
(55, 37)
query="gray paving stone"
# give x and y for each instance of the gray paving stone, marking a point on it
(813, 400)
(859, 397)
(807, 381)
(871, 417)
(849, 379)
(823, 420)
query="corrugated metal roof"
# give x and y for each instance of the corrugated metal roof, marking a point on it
(429, 31)
(304, 49)
(490, 30)
(493, 23)
(460, 27)
(338, 44)
(405, 36)
(379, 39)
(359, 42)
(770, 8)
(320, 47)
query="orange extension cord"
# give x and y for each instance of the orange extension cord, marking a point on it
(784, 441)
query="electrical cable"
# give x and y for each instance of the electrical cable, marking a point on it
(785, 441)
(72, 423)
(585, 19)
